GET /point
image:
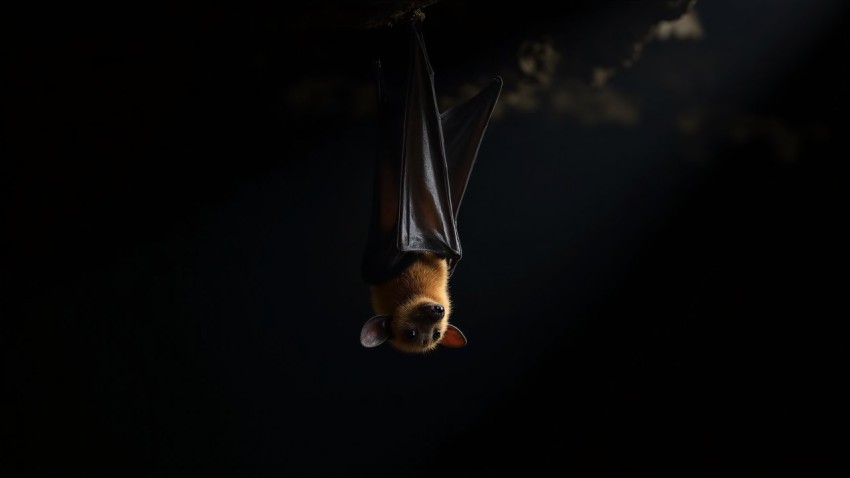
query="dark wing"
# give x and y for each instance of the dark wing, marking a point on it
(415, 182)
(381, 257)
(426, 220)
(463, 129)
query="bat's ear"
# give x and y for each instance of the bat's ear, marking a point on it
(453, 337)
(375, 331)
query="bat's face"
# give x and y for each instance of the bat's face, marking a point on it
(416, 327)
(414, 309)
(419, 326)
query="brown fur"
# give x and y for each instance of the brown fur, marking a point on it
(425, 281)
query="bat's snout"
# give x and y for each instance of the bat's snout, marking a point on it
(432, 312)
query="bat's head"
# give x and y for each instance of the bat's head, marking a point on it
(417, 326)
(413, 309)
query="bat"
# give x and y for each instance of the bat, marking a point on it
(423, 163)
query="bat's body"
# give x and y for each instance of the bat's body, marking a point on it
(424, 161)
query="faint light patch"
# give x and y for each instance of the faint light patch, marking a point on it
(785, 141)
(525, 98)
(538, 60)
(538, 88)
(686, 27)
(689, 122)
(602, 75)
(572, 98)
(772, 137)
(594, 105)
(637, 50)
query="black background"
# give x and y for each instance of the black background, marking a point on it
(185, 200)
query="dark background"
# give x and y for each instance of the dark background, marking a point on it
(651, 282)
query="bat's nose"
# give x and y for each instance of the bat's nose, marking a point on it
(436, 311)
(431, 312)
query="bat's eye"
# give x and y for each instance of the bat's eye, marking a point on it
(436, 335)
(410, 334)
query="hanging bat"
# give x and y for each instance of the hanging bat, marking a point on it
(424, 159)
